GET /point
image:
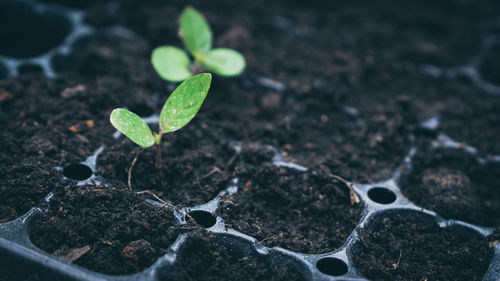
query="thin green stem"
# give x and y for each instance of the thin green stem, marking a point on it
(158, 157)
(158, 150)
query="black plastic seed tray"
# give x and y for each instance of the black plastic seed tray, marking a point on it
(21, 260)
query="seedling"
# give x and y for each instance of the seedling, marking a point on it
(173, 64)
(179, 109)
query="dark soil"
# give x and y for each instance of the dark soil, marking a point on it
(23, 185)
(35, 140)
(49, 123)
(300, 211)
(305, 120)
(53, 122)
(489, 64)
(411, 246)
(194, 170)
(125, 234)
(454, 184)
(319, 130)
(205, 256)
(3, 71)
(352, 92)
(474, 120)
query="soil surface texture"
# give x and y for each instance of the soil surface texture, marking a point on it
(38, 136)
(106, 230)
(300, 211)
(207, 257)
(196, 166)
(453, 183)
(475, 121)
(348, 103)
(411, 246)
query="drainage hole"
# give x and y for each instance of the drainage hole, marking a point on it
(381, 195)
(332, 266)
(77, 171)
(203, 218)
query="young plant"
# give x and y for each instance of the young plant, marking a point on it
(173, 64)
(179, 109)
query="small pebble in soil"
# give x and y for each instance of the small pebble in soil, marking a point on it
(407, 245)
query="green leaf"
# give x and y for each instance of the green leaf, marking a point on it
(132, 126)
(171, 63)
(184, 102)
(195, 32)
(225, 62)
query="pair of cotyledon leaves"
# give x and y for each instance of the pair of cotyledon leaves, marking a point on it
(173, 64)
(179, 109)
